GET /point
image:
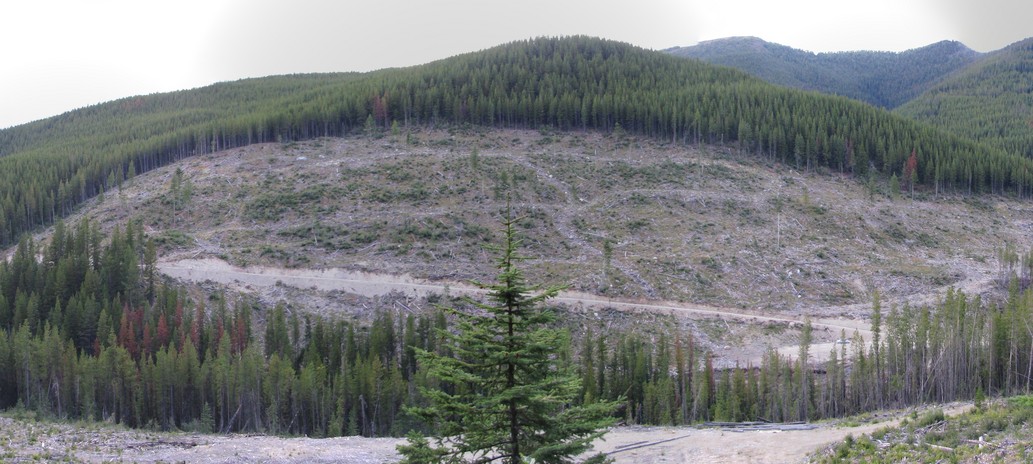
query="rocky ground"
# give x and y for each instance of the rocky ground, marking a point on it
(24, 440)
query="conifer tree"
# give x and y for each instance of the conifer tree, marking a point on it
(512, 398)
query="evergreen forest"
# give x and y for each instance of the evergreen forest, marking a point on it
(980, 96)
(989, 101)
(89, 333)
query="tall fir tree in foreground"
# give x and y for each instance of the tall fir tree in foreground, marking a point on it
(507, 396)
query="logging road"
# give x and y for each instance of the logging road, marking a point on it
(372, 284)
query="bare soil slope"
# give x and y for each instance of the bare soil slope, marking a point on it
(609, 215)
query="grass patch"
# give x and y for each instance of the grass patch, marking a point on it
(173, 239)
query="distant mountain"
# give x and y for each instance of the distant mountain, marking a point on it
(884, 79)
(991, 100)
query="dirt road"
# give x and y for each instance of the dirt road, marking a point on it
(33, 441)
(687, 444)
(370, 284)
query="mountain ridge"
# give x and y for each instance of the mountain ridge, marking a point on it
(981, 96)
(990, 100)
(871, 76)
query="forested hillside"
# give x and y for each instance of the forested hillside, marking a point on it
(990, 101)
(984, 97)
(50, 166)
(87, 333)
(884, 79)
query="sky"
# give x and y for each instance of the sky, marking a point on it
(60, 55)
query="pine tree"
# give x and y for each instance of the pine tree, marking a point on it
(512, 398)
(417, 450)
(176, 191)
(911, 173)
(803, 366)
(877, 347)
(150, 269)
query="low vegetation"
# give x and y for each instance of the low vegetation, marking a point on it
(998, 431)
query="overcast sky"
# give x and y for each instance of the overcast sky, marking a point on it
(59, 55)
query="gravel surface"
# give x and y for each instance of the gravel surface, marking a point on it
(25, 440)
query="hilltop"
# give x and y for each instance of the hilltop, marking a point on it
(51, 166)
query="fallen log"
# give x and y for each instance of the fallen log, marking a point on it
(731, 424)
(979, 443)
(634, 446)
(756, 426)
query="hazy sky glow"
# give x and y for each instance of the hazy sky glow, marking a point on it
(59, 55)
